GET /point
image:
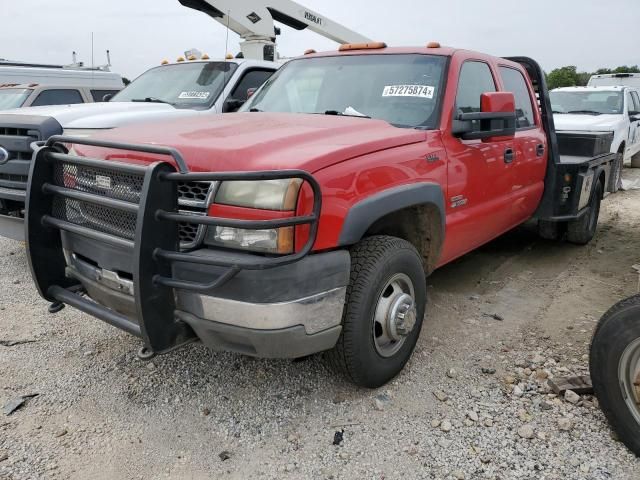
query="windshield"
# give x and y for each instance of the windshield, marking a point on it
(403, 90)
(183, 85)
(13, 97)
(586, 102)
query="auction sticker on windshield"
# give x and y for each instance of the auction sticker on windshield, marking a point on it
(194, 95)
(422, 91)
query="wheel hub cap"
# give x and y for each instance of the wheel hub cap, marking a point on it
(402, 317)
(395, 316)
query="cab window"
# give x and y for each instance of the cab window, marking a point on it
(475, 79)
(98, 95)
(514, 82)
(57, 97)
(636, 102)
(251, 79)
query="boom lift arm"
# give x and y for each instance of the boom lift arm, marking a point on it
(254, 20)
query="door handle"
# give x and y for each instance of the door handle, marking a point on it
(509, 155)
(540, 150)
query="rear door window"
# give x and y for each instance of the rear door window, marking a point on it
(514, 82)
(58, 97)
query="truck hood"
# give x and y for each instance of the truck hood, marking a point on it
(593, 123)
(105, 115)
(259, 141)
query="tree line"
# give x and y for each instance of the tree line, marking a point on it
(570, 77)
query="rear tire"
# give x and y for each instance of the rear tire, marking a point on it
(385, 272)
(614, 364)
(582, 230)
(615, 179)
(548, 230)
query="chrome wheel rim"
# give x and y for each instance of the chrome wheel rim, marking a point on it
(629, 377)
(395, 315)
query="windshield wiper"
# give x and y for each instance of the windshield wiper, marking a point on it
(341, 114)
(586, 112)
(151, 100)
(556, 111)
(254, 110)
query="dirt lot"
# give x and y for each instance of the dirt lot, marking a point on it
(102, 413)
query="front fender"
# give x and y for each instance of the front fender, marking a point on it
(365, 213)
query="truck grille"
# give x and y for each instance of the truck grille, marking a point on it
(193, 198)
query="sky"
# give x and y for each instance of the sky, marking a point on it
(141, 33)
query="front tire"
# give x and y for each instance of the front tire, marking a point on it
(615, 368)
(383, 314)
(615, 179)
(582, 230)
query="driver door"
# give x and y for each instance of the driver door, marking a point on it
(480, 172)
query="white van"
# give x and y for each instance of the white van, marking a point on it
(55, 75)
(615, 79)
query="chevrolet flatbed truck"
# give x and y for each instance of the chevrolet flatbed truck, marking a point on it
(309, 221)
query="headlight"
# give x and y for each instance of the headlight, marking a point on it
(82, 132)
(265, 194)
(277, 195)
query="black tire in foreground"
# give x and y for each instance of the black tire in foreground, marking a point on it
(615, 369)
(582, 230)
(384, 309)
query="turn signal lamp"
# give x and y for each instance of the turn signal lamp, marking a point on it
(433, 45)
(362, 46)
(180, 59)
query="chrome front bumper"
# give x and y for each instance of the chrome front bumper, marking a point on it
(315, 313)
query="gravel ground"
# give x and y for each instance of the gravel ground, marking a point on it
(472, 403)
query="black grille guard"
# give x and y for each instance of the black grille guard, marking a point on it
(156, 243)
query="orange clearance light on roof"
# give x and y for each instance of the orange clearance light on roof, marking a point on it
(229, 56)
(205, 57)
(192, 57)
(309, 52)
(180, 59)
(164, 62)
(433, 45)
(362, 46)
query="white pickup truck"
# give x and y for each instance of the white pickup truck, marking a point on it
(610, 109)
(167, 91)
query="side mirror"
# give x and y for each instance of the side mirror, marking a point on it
(107, 97)
(232, 105)
(496, 119)
(634, 116)
(250, 92)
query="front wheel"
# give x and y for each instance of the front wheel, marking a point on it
(582, 230)
(615, 178)
(615, 369)
(384, 308)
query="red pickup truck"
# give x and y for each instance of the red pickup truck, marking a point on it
(308, 222)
